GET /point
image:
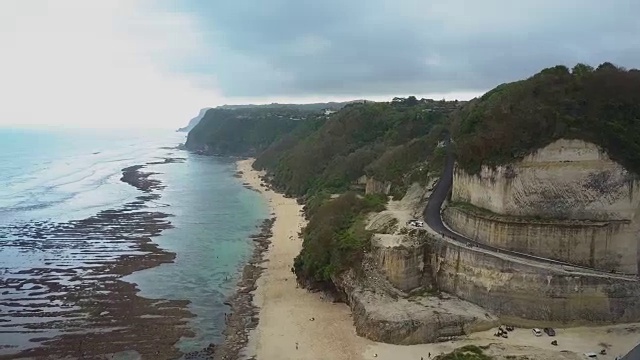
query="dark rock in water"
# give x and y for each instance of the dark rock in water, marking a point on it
(83, 295)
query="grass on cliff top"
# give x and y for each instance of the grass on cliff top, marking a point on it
(513, 120)
(469, 352)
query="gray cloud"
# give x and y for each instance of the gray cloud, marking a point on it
(381, 47)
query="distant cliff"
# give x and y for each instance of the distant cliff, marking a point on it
(193, 122)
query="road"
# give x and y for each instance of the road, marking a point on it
(433, 219)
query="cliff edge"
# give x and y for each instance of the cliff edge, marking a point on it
(193, 122)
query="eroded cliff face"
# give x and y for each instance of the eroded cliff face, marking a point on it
(374, 186)
(398, 252)
(392, 297)
(602, 245)
(569, 179)
(531, 294)
(382, 313)
(568, 201)
(401, 260)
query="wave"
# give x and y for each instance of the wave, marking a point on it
(43, 180)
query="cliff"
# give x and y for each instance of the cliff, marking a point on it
(245, 132)
(567, 201)
(527, 293)
(382, 313)
(193, 122)
(567, 179)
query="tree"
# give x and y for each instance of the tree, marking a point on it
(581, 70)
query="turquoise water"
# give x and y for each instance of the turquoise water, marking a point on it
(214, 215)
(58, 176)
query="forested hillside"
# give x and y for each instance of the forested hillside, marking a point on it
(599, 105)
(306, 152)
(245, 132)
(384, 140)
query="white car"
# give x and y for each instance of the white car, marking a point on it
(537, 332)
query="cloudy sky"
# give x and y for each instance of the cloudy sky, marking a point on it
(156, 63)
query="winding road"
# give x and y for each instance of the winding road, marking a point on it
(433, 220)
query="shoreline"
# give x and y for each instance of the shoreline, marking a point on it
(288, 322)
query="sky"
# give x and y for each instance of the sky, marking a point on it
(144, 63)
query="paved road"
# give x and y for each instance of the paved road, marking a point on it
(433, 219)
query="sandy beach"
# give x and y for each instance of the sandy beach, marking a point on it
(286, 331)
(285, 309)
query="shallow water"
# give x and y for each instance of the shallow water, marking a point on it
(214, 215)
(55, 235)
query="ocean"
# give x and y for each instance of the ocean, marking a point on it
(75, 238)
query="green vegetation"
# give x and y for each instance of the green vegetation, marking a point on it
(597, 105)
(314, 155)
(388, 141)
(335, 238)
(469, 352)
(245, 132)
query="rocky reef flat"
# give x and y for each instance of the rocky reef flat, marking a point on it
(71, 300)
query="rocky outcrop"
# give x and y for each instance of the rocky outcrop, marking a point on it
(381, 313)
(568, 201)
(401, 259)
(374, 186)
(399, 253)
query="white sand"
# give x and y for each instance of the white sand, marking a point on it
(285, 311)
(579, 340)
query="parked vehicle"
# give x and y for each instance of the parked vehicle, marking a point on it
(537, 332)
(416, 223)
(550, 331)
